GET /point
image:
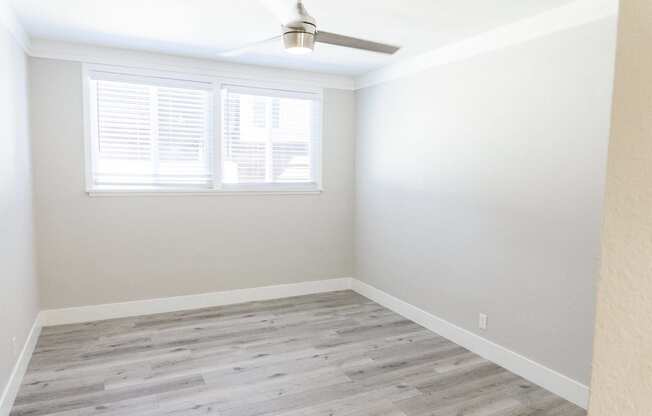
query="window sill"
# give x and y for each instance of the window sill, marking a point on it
(199, 192)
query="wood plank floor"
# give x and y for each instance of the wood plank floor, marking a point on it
(330, 354)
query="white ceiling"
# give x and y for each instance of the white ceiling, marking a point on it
(204, 28)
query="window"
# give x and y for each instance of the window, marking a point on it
(162, 133)
(149, 133)
(269, 136)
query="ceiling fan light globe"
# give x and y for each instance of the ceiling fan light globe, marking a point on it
(299, 51)
(298, 43)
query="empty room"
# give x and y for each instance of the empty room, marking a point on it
(325, 208)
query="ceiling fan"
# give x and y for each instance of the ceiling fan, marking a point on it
(299, 33)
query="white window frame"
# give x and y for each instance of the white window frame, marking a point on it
(215, 121)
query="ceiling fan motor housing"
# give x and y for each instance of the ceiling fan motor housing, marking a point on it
(299, 35)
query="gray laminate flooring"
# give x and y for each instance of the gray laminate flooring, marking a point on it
(329, 354)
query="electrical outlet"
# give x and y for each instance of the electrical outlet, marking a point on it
(483, 319)
(14, 346)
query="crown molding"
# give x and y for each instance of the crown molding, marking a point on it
(10, 22)
(42, 48)
(576, 13)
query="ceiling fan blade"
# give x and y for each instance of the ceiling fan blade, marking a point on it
(355, 43)
(246, 48)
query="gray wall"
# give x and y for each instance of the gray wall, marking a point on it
(18, 286)
(112, 249)
(480, 187)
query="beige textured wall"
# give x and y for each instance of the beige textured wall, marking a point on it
(622, 364)
(18, 284)
(112, 249)
(480, 189)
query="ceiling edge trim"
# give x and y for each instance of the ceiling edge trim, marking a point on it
(565, 17)
(9, 21)
(42, 48)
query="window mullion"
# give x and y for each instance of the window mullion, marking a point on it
(217, 130)
(269, 148)
(154, 124)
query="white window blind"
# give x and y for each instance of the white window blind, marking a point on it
(150, 132)
(269, 136)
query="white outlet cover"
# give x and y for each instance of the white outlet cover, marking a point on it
(483, 320)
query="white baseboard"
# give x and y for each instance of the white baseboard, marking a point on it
(16, 377)
(151, 306)
(545, 377)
